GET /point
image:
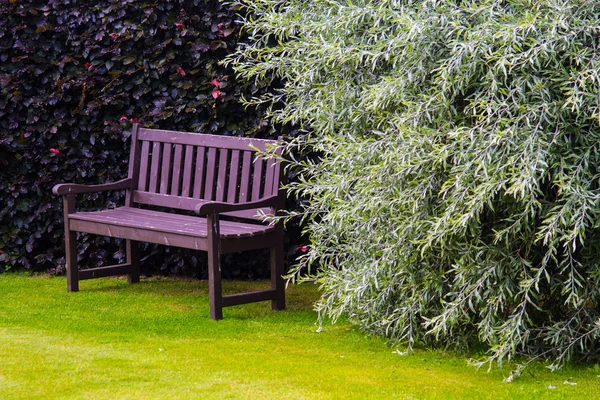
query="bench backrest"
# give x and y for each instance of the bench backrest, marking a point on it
(181, 169)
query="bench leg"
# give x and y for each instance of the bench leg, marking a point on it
(133, 260)
(70, 245)
(71, 261)
(215, 293)
(277, 272)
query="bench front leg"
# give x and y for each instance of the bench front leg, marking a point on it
(277, 270)
(133, 259)
(215, 293)
(70, 245)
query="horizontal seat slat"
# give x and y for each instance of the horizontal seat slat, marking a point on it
(226, 226)
(166, 222)
(139, 234)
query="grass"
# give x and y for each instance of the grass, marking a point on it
(155, 340)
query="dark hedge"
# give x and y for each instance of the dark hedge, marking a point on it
(73, 76)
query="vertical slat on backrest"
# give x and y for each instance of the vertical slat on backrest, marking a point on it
(257, 178)
(166, 168)
(144, 165)
(188, 163)
(176, 177)
(154, 169)
(245, 182)
(270, 172)
(234, 168)
(222, 176)
(199, 178)
(134, 163)
(209, 183)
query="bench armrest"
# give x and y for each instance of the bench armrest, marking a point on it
(221, 207)
(72, 188)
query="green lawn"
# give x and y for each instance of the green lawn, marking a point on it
(155, 340)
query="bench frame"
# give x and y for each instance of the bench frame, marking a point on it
(269, 200)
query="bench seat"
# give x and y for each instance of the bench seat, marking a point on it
(167, 228)
(130, 217)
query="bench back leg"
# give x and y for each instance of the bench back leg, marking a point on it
(215, 293)
(134, 260)
(70, 245)
(277, 272)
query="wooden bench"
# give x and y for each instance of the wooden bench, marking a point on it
(214, 176)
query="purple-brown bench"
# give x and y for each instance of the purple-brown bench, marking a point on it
(212, 175)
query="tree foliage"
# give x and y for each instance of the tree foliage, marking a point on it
(456, 195)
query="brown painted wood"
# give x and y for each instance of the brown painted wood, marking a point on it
(102, 272)
(209, 174)
(215, 293)
(270, 178)
(199, 177)
(166, 222)
(238, 244)
(234, 169)
(144, 166)
(176, 178)
(141, 235)
(257, 177)
(222, 175)
(134, 163)
(277, 270)
(70, 245)
(155, 167)
(205, 208)
(190, 204)
(72, 188)
(245, 182)
(209, 183)
(164, 200)
(133, 259)
(250, 297)
(188, 162)
(205, 140)
(166, 168)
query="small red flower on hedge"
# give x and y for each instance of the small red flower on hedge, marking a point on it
(180, 71)
(54, 151)
(302, 248)
(179, 25)
(215, 82)
(87, 64)
(113, 35)
(134, 120)
(216, 93)
(123, 118)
